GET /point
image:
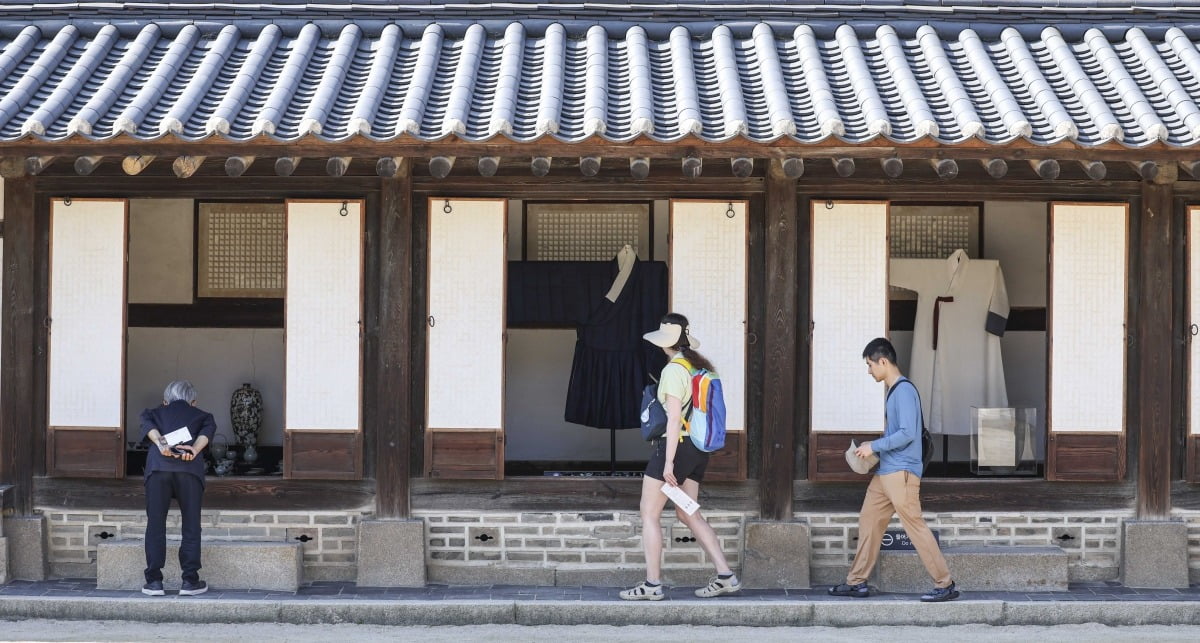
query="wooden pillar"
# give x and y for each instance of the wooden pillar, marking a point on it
(392, 365)
(781, 411)
(18, 341)
(1156, 351)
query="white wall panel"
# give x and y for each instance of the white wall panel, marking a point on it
(324, 308)
(849, 309)
(1087, 320)
(87, 306)
(466, 303)
(708, 286)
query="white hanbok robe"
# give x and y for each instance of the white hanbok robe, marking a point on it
(965, 369)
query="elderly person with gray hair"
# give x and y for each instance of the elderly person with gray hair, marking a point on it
(173, 470)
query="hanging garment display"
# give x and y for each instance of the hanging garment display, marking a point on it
(962, 311)
(611, 363)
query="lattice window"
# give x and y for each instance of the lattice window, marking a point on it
(586, 232)
(242, 250)
(933, 232)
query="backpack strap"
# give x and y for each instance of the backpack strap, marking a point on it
(920, 406)
(686, 419)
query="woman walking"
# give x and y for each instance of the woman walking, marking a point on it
(677, 462)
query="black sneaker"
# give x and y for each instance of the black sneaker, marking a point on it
(856, 591)
(153, 588)
(192, 589)
(940, 594)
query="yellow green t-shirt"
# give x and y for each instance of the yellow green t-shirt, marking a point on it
(675, 380)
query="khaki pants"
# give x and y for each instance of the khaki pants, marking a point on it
(898, 493)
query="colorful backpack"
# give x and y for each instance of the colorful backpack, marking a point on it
(705, 419)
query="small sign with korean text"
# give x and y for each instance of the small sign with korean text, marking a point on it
(897, 540)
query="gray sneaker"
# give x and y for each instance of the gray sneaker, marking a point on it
(643, 592)
(718, 586)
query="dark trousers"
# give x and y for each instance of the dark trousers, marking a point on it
(187, 490)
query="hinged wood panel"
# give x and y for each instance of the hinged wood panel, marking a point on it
(827, 456)
(1088, 341)
(1192, 470)
(323, 322)
(1085, 457)
(332, 455)
(708, 264)
(465, 335)
(728, 463)
(85, 452)
(464, 455)
(85, 405)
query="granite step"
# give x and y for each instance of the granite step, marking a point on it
(276, 566)
(979, 568)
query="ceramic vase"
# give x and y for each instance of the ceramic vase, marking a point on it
(245, 413)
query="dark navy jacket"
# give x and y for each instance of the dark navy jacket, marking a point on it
(168, 418)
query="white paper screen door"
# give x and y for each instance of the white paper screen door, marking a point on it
(1194, 321)
(324, 308)
(849, 309)
(1087, 322)
(466, 314)
(708, 286)
(87, 337)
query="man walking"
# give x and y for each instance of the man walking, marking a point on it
(896, 486)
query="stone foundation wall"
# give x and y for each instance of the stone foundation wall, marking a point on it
(1092, 541)
(1192, 518)
(604, 546)
(329, 551)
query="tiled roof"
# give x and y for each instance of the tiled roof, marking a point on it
(337, 81)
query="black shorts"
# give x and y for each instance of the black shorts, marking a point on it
(690, 462)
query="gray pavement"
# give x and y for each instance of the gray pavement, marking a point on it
(323, 603)
(43, 630)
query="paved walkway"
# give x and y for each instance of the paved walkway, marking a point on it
(340, 602)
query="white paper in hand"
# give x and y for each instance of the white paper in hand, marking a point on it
(178, 436)
(681, 499)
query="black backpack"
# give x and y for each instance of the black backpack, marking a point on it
(926, 437)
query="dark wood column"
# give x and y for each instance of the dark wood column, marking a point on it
(393, 346)
(1156, 350)
(781, 411)
(18, 338)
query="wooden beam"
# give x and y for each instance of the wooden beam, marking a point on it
(793, 167)
(236, 166)
(337, 165)
(392, 368)
(1155, 332)
(844, 166)
(440, 166)
(1095, 170)
(286, 165)
(780, 336)
(488, 165)
(945, 168)
(18, 339)
(742, 167)
(589, 165)
(693, 166)
(265, 493)
(134, 164)
(1145, 169)
(35, 165)
(892, 167)
(540, 165)
(996, 168)
(639, 168)
(390, 166)
(1048, 169)
(12, 167)
(85, 165)
(185, 166)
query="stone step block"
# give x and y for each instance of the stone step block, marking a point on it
(978, 568)
(276, 566)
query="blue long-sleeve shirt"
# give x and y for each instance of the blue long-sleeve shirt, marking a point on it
(900, 447)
